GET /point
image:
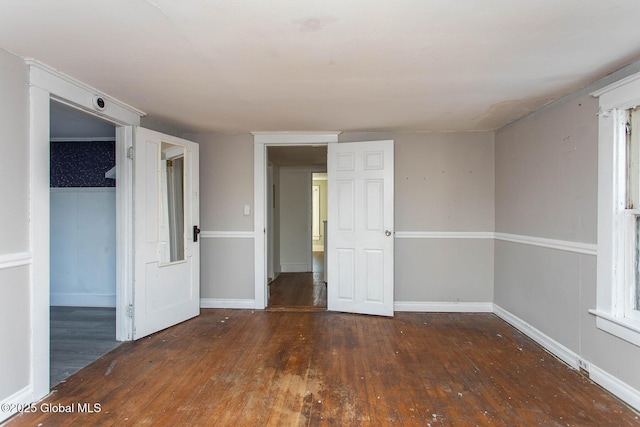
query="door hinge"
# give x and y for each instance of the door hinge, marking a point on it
(130, 153)
(130, 311)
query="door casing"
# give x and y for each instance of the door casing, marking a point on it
(262, 140)
(46, 84)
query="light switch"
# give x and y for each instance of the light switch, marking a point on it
(247, 210)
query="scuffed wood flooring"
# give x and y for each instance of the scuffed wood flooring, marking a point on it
(298, 292)
(257, 368)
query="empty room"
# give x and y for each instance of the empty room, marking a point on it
(448, 190)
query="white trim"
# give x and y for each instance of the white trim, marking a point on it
(227, 303)
(46, 84)
(443, 307)
(444, 235)
(618, 388)
(562, 245)
(615, 85)
(228, 234)
(612, 284)
(22, 397)
(85, 139)
(82, 189)
(15, 260)
(73, 91)
(610, 383)
(618, 326)
(124, 233)
(82, 300)
(552, 346)
(295, 138)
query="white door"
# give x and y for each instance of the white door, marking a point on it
(166, 219)
(360, 222)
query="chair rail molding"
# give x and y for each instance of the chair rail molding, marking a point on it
(17, 259)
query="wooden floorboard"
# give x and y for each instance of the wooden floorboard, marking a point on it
(300, 291)
(79, 335)
(257, 368)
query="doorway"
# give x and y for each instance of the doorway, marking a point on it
(82, 240)
(261, 142)
(319, 214)
(295, 254)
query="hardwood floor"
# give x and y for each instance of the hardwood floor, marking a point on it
(243, 367)
(79, 335)
(300, 291)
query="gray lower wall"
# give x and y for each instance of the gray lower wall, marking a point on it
(444, 270)
(226, 268)
(546, 186)
(15, 319)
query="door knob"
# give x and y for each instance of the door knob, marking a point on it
(196, 231)
(387, 233)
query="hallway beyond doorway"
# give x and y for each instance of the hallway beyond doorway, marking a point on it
(300, 291)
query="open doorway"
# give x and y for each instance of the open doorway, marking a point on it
(295, 267)
(319, 223)
(82, 240)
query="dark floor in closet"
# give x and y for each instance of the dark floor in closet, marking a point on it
(79, 336)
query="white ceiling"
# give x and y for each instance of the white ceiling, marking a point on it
(333, 65)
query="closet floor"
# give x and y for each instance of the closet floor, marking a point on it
(79, 336)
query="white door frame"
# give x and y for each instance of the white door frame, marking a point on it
(46, 84)
(262, 140)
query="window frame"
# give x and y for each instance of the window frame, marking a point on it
(616, 224)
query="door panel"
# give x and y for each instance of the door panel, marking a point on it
(360, 245)
(166, 209)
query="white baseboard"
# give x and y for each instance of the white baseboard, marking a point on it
(82, 300)
(443, 307)
(625, 392)
(22, 397)
(622, 390)
(551, 345)
(295, 268)
(227, 303)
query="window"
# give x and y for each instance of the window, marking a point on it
(630, 217)
(618, 279)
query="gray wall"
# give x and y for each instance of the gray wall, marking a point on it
(444, 182)
(14, 228)
(546, 186)
(226, 184)
(295, 219)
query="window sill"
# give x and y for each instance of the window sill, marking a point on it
(623, 328)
